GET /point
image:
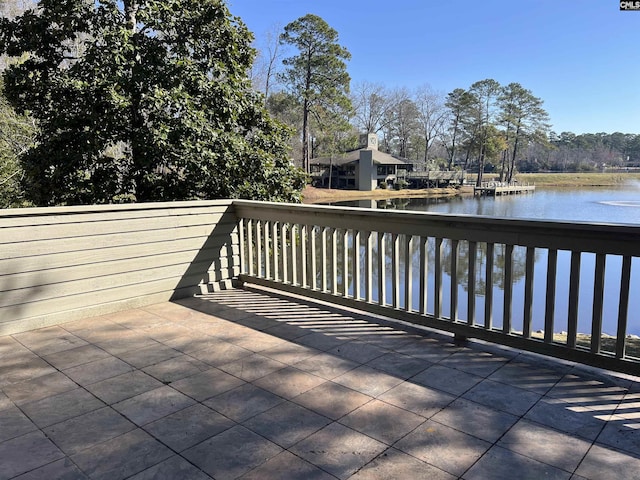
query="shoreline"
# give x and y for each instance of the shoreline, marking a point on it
(311, 195)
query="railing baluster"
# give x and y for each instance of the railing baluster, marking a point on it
(471, 289)
(368, 281)
(267, 248)
(382, 267)
(284, 234)
(243, 244)
(355, 261)
(488, 288)
(294, 253)
(574, 289)
(623, 307)
(314, 263)
(258, 243)
(528, 292)
(454, 281)
(303, 256)
(250, 246)
(508, 289)
(424, 278)
(437, 283)
(550, 297)
(395, 271)
(408, 272)
(324, 258)
(598, 301)
(345, 263)
(276, 250)
(334, 261)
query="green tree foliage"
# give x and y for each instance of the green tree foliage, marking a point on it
(524, 120)
(317, 75)
(17, 134)
(143, 100)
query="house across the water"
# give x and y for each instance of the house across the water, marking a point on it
(363, 169)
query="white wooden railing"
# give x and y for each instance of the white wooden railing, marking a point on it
(477, 277)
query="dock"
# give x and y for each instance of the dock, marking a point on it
(503, 188)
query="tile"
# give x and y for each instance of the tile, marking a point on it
(39, 387)
(206, 384)
(450, 380)
(9, 347)
(284, 331)
(98, 370)
(172, 469)
(122, 456)
(133, 340)
(359, 352)
(527, 377)
(78, 433)
(338, 450)
(289, 382)
(503, 397)
(14, 423)
(286, 424)
(399, 365)
(622, 434)
(231, 453)
(500, 464)
(605, 462)
(382, 421)
(545, 445)
(443, 447)
(188, 427)
(63, 469)
(558, 415)
(243, 402)
(152, 405)
(149, 355)
(176, 368)
(22, 368)
(252, 367)
(76, 356)
(25, 453)
(321, 341)
(48, 340)
(189, 342)
(476, 362)
(58, 408)
(286, 466)
(5, 402)
(429, 349)
(421, 400)
(396, 464)
(368, 380)
(289, 353)
(221, 352)
(138, 318)
(332, 400)
(326, 365)
(127, 385)
(250, 339)
(475, 419)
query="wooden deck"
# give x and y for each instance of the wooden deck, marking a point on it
(502, 188)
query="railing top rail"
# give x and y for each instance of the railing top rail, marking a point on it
(622, 239)
(40, 211)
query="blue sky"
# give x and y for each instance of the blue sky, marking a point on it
(582, 57)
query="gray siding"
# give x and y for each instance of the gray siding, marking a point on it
(64, 263)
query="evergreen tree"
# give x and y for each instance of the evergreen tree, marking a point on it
(317, 75)
(143, 100)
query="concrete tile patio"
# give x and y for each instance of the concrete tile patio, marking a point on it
(251, 384)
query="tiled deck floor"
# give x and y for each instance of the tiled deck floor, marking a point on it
(248, 384)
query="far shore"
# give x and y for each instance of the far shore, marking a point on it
(569, 180)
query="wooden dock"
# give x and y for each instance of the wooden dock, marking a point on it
(502, 188)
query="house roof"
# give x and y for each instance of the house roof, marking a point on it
(353, 156)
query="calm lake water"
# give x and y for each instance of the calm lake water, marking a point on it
(594, 205)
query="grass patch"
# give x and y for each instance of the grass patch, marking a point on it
(608, 343)
(590, 179)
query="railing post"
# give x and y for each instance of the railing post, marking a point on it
(550, 297)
